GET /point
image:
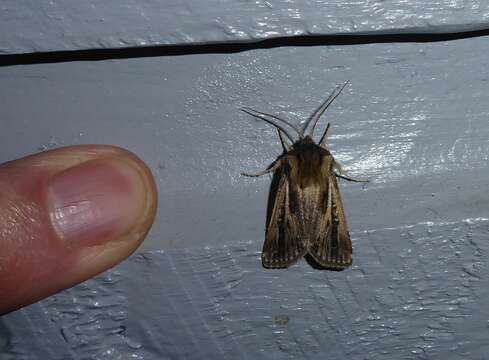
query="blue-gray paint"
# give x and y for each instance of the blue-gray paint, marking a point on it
(414, 121)
(46, 25)
(414, 292)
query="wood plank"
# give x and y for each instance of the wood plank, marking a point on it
(44, 25)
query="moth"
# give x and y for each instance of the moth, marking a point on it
(305, 216)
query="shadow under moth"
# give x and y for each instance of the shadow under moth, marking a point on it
(305, 216)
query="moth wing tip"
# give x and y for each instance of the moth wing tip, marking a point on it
(334, 264)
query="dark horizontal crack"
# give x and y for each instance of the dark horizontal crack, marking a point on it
(228, 48)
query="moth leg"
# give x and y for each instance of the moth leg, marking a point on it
(269, 169)
(260, 173)
(350, 178)
(344, 175)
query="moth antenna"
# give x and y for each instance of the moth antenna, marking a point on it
(327, 105)
(314, 114)
(323, 138)
(255, 112)
(321, 109)
(265, 117)
(284, 143)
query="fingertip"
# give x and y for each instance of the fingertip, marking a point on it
(95, 259)
(71, 213)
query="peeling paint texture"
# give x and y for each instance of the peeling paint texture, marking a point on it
(412, 293)
(414, 121)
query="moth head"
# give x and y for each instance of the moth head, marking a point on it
(307, 140)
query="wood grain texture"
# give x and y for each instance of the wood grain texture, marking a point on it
(43, 25)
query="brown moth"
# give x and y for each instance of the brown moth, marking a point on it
(305, 216)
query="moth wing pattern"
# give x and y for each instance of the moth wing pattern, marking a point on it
(284, 244)
(331, 247)
(305, 216)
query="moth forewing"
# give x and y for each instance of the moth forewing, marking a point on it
(283, 244)
(332, 248)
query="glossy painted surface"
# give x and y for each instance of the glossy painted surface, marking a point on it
(46, 25)
(414, 121)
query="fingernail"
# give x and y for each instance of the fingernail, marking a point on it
(96, 202)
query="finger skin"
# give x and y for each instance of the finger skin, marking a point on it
(35, 261)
